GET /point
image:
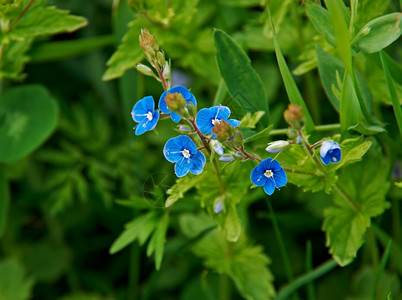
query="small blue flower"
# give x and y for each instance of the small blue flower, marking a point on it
(187, 95)
(145, 114)
(218, 207)
(208, 117)
(330, 152)
(182, 151)
(269, 174)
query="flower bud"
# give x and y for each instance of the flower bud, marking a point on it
(218, 207)
(217, 147)
(224, 131)
(277, 146)
(149, 45)
(294, 116)
(184, 128)
(144, 70)
(175, 102)
(161, 58)
(166, 71)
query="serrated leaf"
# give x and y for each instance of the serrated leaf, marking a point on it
(157, 242)
(28, 115)
(242, 81)
(4, 201)
(241, 262)
(141, 226)
(379, 33)
(181, 186)
(14, 285)
(362, 196)
(14, 59)
(45, 21)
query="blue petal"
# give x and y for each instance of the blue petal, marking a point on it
(325, 147)
(226, 158)
(275, 166)
(186, 143)
(187, 95)
(280, 178)
(204, 120)
(335, 155)
(182, 167)
(218, 207)
(175, 117)
(172, 150)
(162, 104)
(220, 112)
(326, 159)
(142, 127)
(233, 122)
(142, 107)
(197, 163)
(155, 118)
(258, 177)
(266, 164)
(269, 187)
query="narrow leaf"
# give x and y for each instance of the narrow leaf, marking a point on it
(242, 81)
(291, 88)
(321, 19)
(350, 112)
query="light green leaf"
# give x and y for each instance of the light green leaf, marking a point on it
(129, 53)
(321, 19)
(368, 10)
(181, 186)
(4, 201)
(350, 112)
(45, 21)
(379, 33)
(367, 129)
(14, 285)
(244, 264)
(14, 59)
(261, 134)
(192, 225)
(232, 225)
(157, 242)
(28, 115)
(242, 81)
(291, 88)
(240, 3)
(136, 202)
(362, 196)
(140, 228)
(250, 120)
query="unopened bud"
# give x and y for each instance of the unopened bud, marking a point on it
(277, 146)
(166, 71)
(184, 128)
(224, 131)
(217, 147)
(175, 102)
(144, 70)
(294, 115)
(148, 44)
(218, 207)
(161, 58)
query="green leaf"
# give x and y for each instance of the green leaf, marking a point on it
(192, 225)
(232, 224)
(129, 53)
(350, 112)
(291, 88)
(321, 19)
(242, 81)
(367, 129)
(261, 134)
(368, 10)
(392, 92)
(140, 228)
(14, 59)
(250, 120)
(157, 242)
(136, 202)
(28, 115)
(244, 264)
(4, 201)
(45, 21)
(181, 186)
(14, 285)
(362, 196)
(378, 33)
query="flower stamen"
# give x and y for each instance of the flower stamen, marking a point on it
(149, 116)
(186, 153)
(268, 173)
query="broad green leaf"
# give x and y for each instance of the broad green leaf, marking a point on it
(28, 115)
(14, 59)
(350, 112)
(361, 196)
(367, 129)
(181, 186)
(244, 264)
(391, 88)
(232, 225)
(242, 81)
(192, 225)
(157, 242)
(368, 10)
(140, 228)
(4, 201)
(45, 21)
(262, 134)
(321, 19)
(379, 33)
(129, 53)
(291, 88)
(14, 285)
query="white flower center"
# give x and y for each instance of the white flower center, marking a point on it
(215, 121)
(268, 173)
(186, 153)
(149, 116)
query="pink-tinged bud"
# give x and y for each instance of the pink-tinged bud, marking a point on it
(148, 44)
(224, 131)
(294, 116)
(175, 102)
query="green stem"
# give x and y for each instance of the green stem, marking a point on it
(282, 248)
(309, 267)
(286, 291)
(381, 268)
(318, 128)
(224, 287)
(220, 93)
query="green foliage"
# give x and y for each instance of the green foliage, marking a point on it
(181, 186)
(28, 115)
(4, 201)
(242, 81)
(362, 197)
(378, 33)
(14, 285)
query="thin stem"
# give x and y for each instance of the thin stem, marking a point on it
(248, 155)
(286, 291)
(309, 267)
(220, 93)
(224, 287)
(160, 74)
(318, 128)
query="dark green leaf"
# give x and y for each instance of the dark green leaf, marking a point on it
(242, 81)
(28, 115)
(157, 242)
(13, 282)
(4, 201)
(350, 112)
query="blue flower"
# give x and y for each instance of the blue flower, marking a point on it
(330, 152)
(208, 117)
(182, 151)
(269, 174)
(218, 207)
(145, 114)
(187, 95)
